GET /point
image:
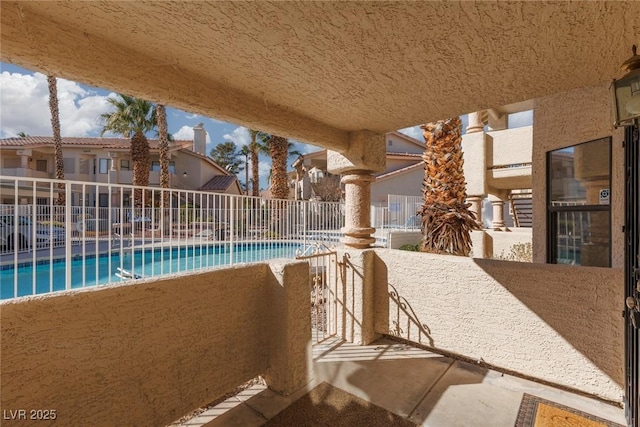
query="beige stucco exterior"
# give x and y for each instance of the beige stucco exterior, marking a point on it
(557, 323)
(567, 119)
(320, 72)
(145, 354)
(378, 77)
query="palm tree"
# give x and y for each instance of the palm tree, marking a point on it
(246, 151)
(133, 116)
(278, 150)
(163, 145)
(57, 139)
(254, 148)
(446, 219)
(22, 134)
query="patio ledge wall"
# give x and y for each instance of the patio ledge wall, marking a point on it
(557, 323)
(145, 354)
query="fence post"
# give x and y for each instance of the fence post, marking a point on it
(67, 226)
(232, 227)
(304, 225)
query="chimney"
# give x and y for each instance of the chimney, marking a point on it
(199, 139)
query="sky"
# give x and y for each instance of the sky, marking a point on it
(24, 107)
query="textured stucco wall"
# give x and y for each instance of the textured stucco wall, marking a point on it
(147, 353)
(567, 119)
(355, 303)
(501, 242)
(557, 323)
(474, 148)
(510, 146)
(324, 68)
(400, 145)
(399, 238)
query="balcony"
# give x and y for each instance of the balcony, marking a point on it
(509, 156)
(25, 172)
(148, 352)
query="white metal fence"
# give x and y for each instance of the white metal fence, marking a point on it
(73, 234)
(323, 269)
(399, 214)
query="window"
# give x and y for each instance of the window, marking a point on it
(578, 204)
(125, 165)
(41, 165)
(389, 143)
(155, 167)
(104, 166)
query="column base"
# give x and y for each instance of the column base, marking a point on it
(359, 238)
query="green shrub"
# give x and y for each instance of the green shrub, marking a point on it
(410, 247)
(520, 252)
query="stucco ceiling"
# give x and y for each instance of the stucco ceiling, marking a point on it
(317, 70)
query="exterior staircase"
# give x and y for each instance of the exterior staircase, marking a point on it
(522, 208)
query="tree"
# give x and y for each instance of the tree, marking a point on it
(133, 118)
(278, 150)
(163, 145)
(246, 151)
(226, 155)
(328, 188)
(163, 148)
(254, 149)
(446, 219)
(23, 134)
(57, 139)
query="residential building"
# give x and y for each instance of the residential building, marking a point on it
(108, 161)
(497, 169)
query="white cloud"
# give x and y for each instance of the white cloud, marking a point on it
(264, 169)
(414, 132)
(186, 133)
(192, 116)
(240, 136)
(24, 101)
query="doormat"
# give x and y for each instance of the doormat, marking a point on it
(537, 412)
(330, 406)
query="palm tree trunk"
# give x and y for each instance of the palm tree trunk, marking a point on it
(163, 145)
(278, 150)
(446, 219)
(255, 179)
(57, 139)
(140, 157)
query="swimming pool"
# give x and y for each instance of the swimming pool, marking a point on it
(49, 276)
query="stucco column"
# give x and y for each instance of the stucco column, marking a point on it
(357, 223)
(24, 162)
(498, 215)
(476, 207)
(475, 122)
(366, 155)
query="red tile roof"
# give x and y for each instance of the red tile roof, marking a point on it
(111, 143)
(418, 165)
(219, 183)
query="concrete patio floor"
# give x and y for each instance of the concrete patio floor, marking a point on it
(427, 388)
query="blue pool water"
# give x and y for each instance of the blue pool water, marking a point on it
(146, 263)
